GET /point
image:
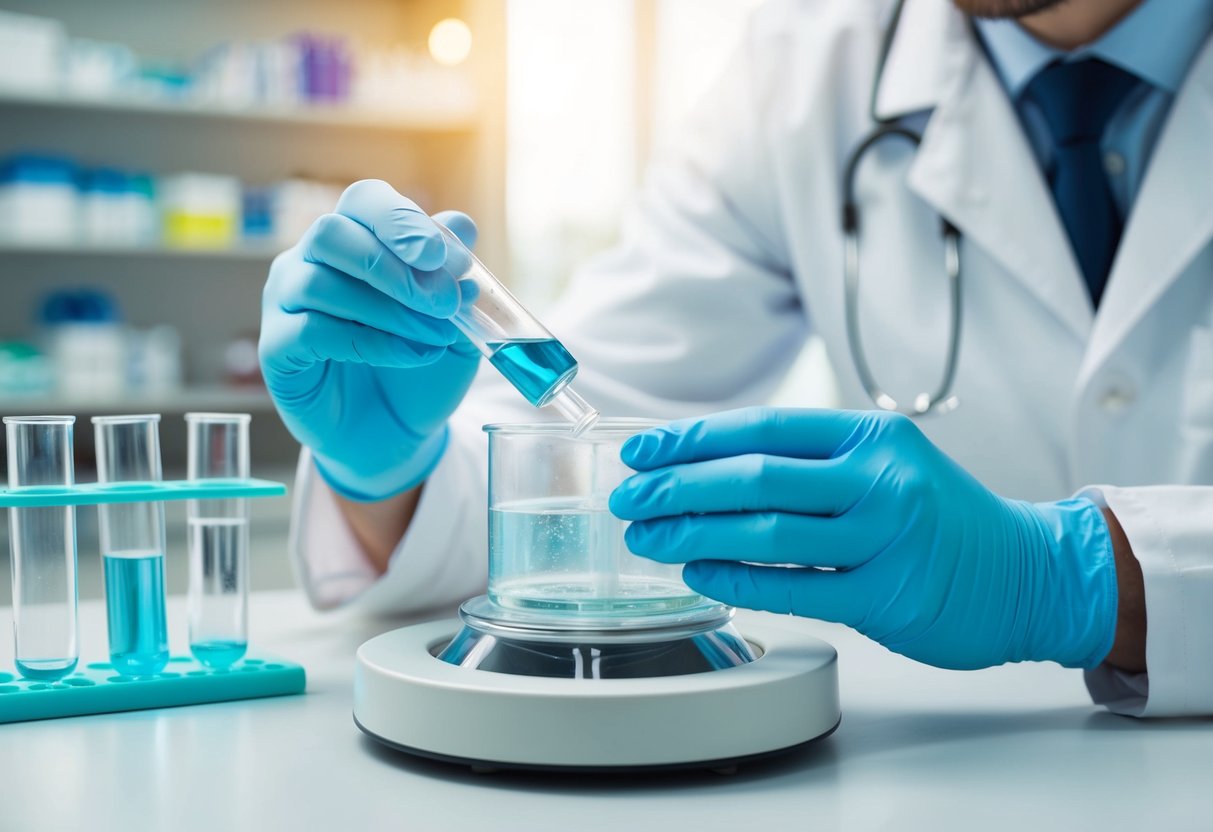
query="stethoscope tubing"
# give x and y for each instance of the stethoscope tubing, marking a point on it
(941, 400)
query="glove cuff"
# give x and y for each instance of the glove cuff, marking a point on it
(395, 478)
(1076, 621)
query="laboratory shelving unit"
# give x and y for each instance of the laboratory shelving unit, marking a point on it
(257, 253)
(443, 157)
(432, 118)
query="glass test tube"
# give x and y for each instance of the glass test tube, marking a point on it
(218, 594)
(42, 542)
(132, 545)
(512, 339)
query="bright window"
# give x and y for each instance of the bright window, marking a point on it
(575, 133)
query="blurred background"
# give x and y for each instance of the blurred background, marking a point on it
(154, 157)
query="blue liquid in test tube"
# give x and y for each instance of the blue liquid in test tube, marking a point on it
(132, 545)
(513, 340)
(219, 653)
(46, 669)
(138, 633)
(535, 367)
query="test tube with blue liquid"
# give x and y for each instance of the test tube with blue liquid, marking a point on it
(42, 543)
(218, 448)
(132, 545)
(513, 340)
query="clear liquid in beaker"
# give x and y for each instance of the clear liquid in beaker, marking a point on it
(218, 596)
(134, 600)
(534, 366)
(570, 556)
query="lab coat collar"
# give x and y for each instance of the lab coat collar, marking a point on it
(1171, 220)
(916, 71)
(975, 166)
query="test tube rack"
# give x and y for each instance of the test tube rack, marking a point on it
(97, 688)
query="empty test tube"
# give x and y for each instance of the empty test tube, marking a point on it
(512, 339)
(132, 545)
(218, 592)
(42, 543)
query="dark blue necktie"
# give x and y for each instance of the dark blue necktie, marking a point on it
(1077, 99)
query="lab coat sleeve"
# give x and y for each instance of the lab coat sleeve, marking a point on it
(1169, 530)
(333, 570)
(694, 310)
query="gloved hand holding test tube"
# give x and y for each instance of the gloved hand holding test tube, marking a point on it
(373, 325)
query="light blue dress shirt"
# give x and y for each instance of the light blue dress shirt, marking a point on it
(1157, 42)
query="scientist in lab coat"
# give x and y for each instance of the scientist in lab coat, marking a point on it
(1064, 504)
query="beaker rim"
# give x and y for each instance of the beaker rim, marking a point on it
(610, 425)
(39, 420)
(126, 419)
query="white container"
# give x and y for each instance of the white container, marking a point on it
(31, 52)
(104, 219)
(141, 209)
(200, 193)
(90, 359)
(97, 69)
(200, 209)
(38, 211)
(155, 365)
(296, 203)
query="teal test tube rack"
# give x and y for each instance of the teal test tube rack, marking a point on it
(97, 688)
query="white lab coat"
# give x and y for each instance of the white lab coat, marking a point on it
(733, 254)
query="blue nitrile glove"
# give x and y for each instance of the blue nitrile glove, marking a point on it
(356, 348)
(928, 562)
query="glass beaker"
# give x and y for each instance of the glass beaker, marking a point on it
(554, 546)
(219, 539)
(42, 542)
(132, 545)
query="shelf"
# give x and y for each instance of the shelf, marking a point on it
(251, 252)
(421, 120)
(98, 493)
(215, 398)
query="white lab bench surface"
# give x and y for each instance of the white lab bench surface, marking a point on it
(1016, 747)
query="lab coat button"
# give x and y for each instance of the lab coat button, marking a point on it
(1116, 399)
(1113, 163)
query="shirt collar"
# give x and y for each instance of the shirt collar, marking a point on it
(1157, 42)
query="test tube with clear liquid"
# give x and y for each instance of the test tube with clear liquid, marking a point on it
(132, 545)
(219, 540)
(42, 543)
(513, 340)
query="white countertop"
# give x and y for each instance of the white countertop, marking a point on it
(1018, 747)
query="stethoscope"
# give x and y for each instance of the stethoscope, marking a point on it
(941, 400)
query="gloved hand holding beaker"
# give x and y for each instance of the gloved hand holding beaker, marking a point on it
(357, 347)
(858, 518)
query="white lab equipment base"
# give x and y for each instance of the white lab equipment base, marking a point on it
(408, 699)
